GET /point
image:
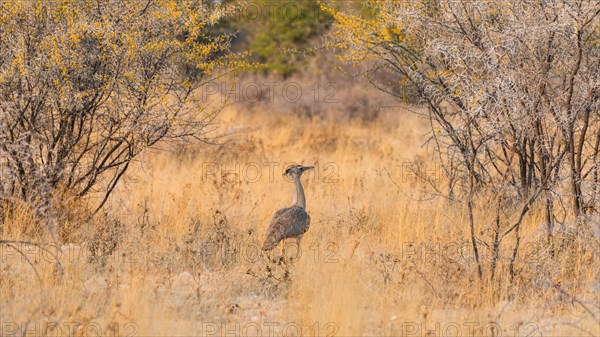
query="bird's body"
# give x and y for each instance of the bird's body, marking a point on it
(289, 222)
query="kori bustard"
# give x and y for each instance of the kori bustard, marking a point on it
(293, 221)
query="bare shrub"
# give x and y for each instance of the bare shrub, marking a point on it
(86, 86)
(513, 94)
(105, 241)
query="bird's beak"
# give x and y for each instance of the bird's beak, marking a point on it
(306, 168)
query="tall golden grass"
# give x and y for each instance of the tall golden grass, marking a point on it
(176, 251)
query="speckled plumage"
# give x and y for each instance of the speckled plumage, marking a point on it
(287, 222)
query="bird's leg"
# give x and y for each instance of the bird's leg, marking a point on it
(282, 258)
(295, 256)
(298, 251)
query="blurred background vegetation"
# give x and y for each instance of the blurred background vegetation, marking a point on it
(283, 36)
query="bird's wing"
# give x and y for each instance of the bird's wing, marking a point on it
(280, 226)
(286, 222)
(300, 221)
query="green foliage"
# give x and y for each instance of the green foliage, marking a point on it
(282, 34)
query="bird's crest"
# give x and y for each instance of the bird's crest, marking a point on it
(291, 169)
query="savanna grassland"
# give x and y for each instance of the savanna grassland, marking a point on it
(456, 147)
(176, 251)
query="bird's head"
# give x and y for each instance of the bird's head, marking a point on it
(296, 170)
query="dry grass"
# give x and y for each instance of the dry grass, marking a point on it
(177, 251)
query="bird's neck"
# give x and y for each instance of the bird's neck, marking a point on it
(299, 199)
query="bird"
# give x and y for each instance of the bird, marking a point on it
(293, 221)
